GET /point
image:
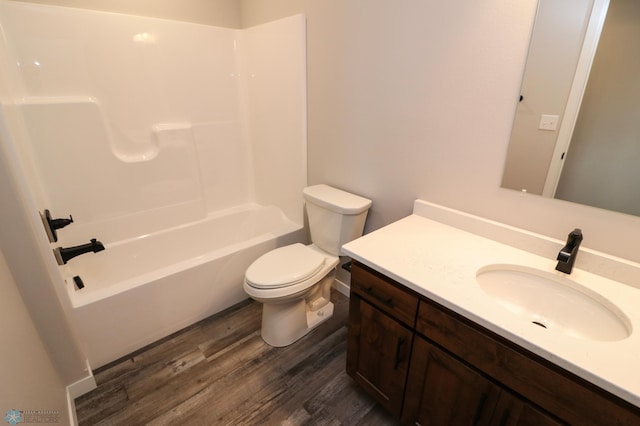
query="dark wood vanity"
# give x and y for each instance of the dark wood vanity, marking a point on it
(429, 365)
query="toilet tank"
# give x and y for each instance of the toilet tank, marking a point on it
(335, 216)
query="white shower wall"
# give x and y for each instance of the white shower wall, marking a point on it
(277, 112)
(135, 124)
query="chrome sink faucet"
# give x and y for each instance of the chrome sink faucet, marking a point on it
(567, 255)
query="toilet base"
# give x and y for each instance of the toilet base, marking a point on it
(315, 318)
(283, 324)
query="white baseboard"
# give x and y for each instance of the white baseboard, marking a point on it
(341, 287)
(77, 389)
(71, 407)
(343, 277)
(82, 386)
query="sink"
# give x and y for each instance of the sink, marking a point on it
(553, 302)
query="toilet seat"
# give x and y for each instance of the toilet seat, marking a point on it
(285, 266)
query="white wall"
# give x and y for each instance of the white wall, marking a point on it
(222, 13)
(29, 379)
(274, 67)
(129, 120)
(135, 124)
(416, 100)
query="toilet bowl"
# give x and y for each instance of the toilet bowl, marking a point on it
(294, 282)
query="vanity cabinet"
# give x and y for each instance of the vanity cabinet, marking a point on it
(429, 365)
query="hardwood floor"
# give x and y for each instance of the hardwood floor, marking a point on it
(220, 372)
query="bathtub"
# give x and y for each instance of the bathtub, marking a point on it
(142, 289)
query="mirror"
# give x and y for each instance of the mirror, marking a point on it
(577, 125)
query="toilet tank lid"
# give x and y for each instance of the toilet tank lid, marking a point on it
(335, 199)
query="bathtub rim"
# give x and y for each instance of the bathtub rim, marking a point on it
(79, 299)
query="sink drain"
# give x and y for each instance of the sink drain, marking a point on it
(538, 323)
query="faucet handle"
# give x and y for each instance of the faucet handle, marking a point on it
(60, 223)
(51, 225)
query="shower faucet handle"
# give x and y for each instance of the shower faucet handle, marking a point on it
(51, 225)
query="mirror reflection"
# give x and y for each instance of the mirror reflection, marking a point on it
(577, 125)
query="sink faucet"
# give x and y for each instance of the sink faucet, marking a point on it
(64, 254)
(569, 252)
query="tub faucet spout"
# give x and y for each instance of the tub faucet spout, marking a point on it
(567, 255)
(64, 254)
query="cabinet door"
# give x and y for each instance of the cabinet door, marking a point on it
(378, 353)
(515, 411)
(443, 391)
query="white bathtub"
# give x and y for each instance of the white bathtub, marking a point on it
(140, 290)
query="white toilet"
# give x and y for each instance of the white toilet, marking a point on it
(294, 282)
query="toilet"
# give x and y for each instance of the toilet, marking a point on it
(294, 282)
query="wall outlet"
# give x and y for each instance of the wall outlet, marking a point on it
(549, 122)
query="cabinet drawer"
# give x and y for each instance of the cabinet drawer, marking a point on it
(571, 398)
(384, 294)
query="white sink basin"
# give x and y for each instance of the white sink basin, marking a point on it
(554, 303)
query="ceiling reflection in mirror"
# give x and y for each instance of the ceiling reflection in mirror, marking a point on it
(576, 133)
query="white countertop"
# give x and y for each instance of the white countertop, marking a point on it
(440, 262)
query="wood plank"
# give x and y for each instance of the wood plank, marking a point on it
(261, 390)
(111, 399)
(345, 398)
(174, 391)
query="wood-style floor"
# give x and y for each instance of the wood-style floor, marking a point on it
(220, 372)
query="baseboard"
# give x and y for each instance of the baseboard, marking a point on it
(84, 385)
(71, 407)
(77, 389)
(341, 287)
(343, 276)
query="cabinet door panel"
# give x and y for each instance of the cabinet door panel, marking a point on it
(443, 391)
(381, 358)
(514, 411)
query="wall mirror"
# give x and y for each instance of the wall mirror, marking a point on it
(576, 133)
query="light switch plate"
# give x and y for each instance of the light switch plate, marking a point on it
(549, 122)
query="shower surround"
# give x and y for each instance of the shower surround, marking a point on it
(181, 147)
